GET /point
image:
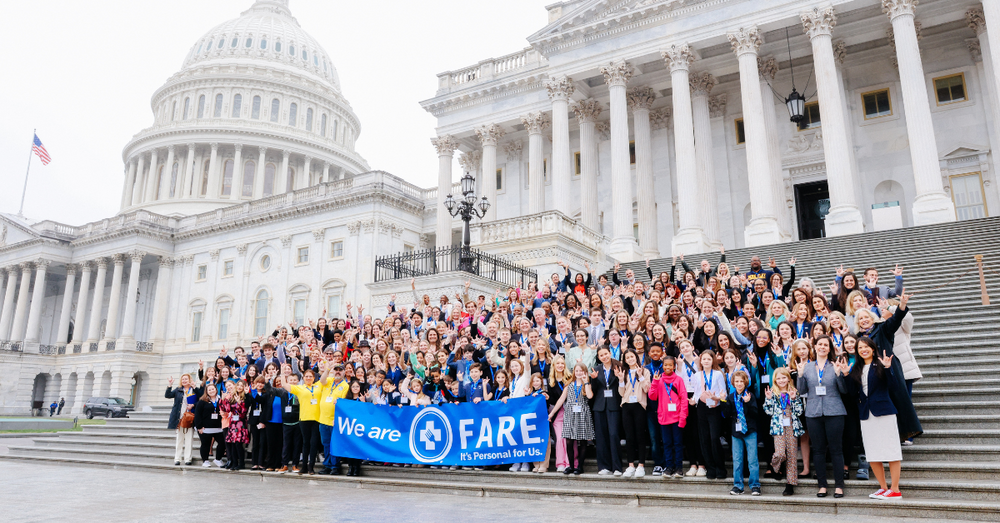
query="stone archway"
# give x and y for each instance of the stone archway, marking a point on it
(105, 389)
(38, 393)
(71, 385)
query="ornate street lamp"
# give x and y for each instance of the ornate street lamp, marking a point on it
(466, 208)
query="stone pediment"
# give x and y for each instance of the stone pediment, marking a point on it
(963, 151)
(15, 229)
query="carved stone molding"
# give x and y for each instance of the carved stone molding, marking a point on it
(445, 145)
(896, 8)
(701, 84)
(975, 49)
(603, 129)
(513, 151)
(818, 22)
(536, 122)
(840, 51)
(470, 161)
(587, 111)
(678, 57)
(368, 224)
(214, 254)
(490, 134)
(319, 234)
(560, 88)
(717, 105)
(241, 249)
(354, 227)
(286, 240)
(659, 119)
(976, 19)
(424, 241)
(746, 40)
(640, 98)
(617, 73)
(119, 259)
(767, 67)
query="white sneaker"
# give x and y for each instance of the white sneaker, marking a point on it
(515, 467)
(604, 472)
(640, 471)
(701, 472)
(218, 463)
(618, 473)
(629, 472)
(206, 464)
(907, 443)
(525, 467)
(692, 471)
(560, 469)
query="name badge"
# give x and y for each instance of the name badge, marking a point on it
(633, 399)
(710, 403)
(671, 407)
(820, 391)
(288, 408)
(740, 427)
(404, 400)
(765, 379)
(786, 421)
(577, 409)
(256, 412)
(313, 402)
(609, 394)
(215, 416)
(329, 399)
(235, 417)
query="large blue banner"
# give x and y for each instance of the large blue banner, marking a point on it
(485, 433)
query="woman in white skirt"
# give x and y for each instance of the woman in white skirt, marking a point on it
(870, 378)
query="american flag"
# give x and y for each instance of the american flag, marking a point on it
(39, 149)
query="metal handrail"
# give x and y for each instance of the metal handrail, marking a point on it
(453, 258)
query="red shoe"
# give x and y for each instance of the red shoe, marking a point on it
(889, 494)
(877, 494)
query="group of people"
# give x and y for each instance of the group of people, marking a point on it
(667, 372)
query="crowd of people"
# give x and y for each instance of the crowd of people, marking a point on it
(669, 372)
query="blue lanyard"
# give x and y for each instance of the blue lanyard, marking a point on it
(607, 377)
(708, 379)
(500, 391)
(799, 327)
(576, 390)
(819, 373)
(616, 351)
(632, 378)
(475, 387)
(785, 401)
(541, 367)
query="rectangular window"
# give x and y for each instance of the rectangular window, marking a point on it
(950, 89)
(196, 326)
(577, 163)
(967, 193)
(333, 306)
(877, 104)
(336, 250)
(499, 180)
(407, 248)
(299, 311)
(631, 152)
(227, 268)
(741, 136)
(202, 273)
(302, 257)
(812, 118)
(635, 231)
(223, 324)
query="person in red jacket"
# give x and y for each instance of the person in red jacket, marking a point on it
(672, 411)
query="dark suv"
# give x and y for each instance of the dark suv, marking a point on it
(107, 407)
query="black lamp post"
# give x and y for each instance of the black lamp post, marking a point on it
(466, 208)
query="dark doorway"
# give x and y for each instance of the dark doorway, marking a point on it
(812, 203)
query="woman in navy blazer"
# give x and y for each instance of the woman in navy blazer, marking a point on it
(870, 378)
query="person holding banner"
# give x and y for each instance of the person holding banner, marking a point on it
(578, 426)
(520, 387)
(332, 391)
(607, 413)
(559, 377)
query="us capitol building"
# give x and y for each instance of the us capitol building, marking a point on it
(627, 129)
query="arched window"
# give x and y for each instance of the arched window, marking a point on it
(187, 104)
(277, 46)
(234, 42)
(260, 324)
(222, 41)
(249, 169)
(249, 42)
(315, 61)
(204, 178)
(263, 43)
(237, 105)
(173, 177)
(269, 179)
(201, 106)
(255, 108)
(173, 112)
(322, 125)
(291, 49)
(200, 46)
(292, 114)
(305, 55)
(275, 106)
(227, 178)
(309, 119)
(218, 105)
(209, 48)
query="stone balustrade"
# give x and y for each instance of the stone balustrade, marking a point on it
(490, 69)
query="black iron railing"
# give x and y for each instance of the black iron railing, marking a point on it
(425, 262)
(46, 349)
(144, 346)
(77, 348)
(13, 346)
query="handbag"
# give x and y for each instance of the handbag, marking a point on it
(187, 420)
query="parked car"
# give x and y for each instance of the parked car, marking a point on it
(107, 407)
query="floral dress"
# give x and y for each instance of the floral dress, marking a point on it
(237, 412)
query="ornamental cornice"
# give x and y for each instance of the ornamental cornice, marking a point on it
(484, 94)
(976, 19)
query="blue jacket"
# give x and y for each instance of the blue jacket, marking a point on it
(877, 401)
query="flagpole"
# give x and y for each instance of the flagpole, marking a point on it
(25, 189)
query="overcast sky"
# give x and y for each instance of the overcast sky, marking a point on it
(83, 72)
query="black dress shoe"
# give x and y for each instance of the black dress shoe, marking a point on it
(325, 472)
(838, 495)
(789, 490)
(336, 471)
(578, 471)
(821, 494)
(568, 470)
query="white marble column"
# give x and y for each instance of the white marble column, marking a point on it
(186, 174)
(708, 198)
(535, 123)
(128, 322)
(623, 244)
(166, 184)
(489, 136)
(114, 299)
(21, 309)
(37, 297)
(307, 172)
(587, 112)
(931, 204)
(767, 68)
(129, 184)
(690, 237)
(140, 176)
(152, 182)
(80, 320)
(991, 83)
(7, 314)
(844, 216)
(162, 299)
(326, 173)
(640, 99)
(445, 146)
(214, 184)
(560, 89)
(97, 303)
(236, 183)
(67, 306)
(258, 179)
(281, 178)
(763, 227)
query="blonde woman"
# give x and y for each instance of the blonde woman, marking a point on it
(520, 382)
(559, 376)
(856, 301)
(777, 312)
(182, 415)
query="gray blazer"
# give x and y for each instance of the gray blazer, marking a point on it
(829, 405)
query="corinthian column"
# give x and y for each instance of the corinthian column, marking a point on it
(986, 23)
(152, 183)
(690, 237)
(535, 123)
(489, 135)
(161, 300)
(21, 310)
(79, 332)
(139, 177)
(97, 305)
(623, 246)
(7, 314)
(67, 305)
(587, 112)
(768, 68)
(114, 299)
(258, 179)
(640, 99)
(931, 204)
(281, 178)
(213, 173)
(708, 199)
(560, 89)
(129, 184)
(763, 227)
(236, 183)
(128, 324)
(168, 169)
(445, 146)
(37, 297)
(844, 216)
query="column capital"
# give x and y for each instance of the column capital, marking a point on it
(165, 261)
(617, 73)
(537, 122)
(238, 146)
(975, 49)
(896, 8)
(262, 150)
(659, 119)
(678, 57)
(560, 88)
(701, 84)
(490, 134)
(12, 269)
(86, 266)
(976, 19)
(445, 145)
(513, 150)
(214, 146)
(42, 264)
(119, 259)
(470, 161)
(840, 51)
(137, 256)
(26, 266)
(214, 253)
(767, 67)
(241, 249)
(640, 98)
(101, 263)
(746, 40)
(587, 111)
(170, 149)
(285, 153)
(717, 106)
(286, 240)
(70, 269)
(818, 22)
(319, 234)
(191, 146)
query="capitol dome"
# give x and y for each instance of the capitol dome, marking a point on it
(255, 111)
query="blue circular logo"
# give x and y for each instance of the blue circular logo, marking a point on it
(430, 436)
